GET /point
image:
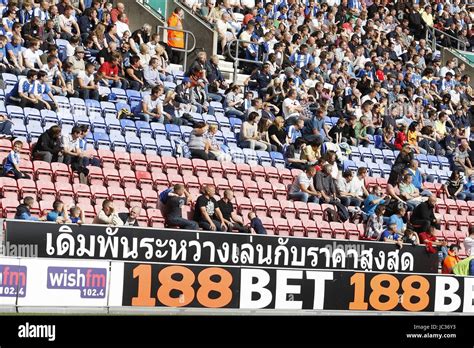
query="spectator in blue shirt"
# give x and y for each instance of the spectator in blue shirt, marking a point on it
(12, 162)
(76, 215)
(397, 219)
(23, 210)
(58, 214)
(417, 180)
(390, 235)
(6, 127)
(21, 94)
(373, 200)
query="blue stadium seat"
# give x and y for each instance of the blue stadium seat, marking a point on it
(355, 153)
(429, 171)
(149, 146)
(278, 159)
(443, 174)
(9, 79)
(98, 125)
(121, 94)
(108, 108)
(235, 123)
(388, 156)
(78, 106)
(134, 144)
(93, 108)
(128, 127)
(158, 130)
(349, 165)
(374, 169)
(164, 147)
(102, 140)
(35, 129)
(186, 132)
(169, 85)
(32, 114)
(223, 122)
(19, 128)
(386, 169)
(133, 96)
(365, 152)
(14, 111)
(210, 119)
(118, 140)
(377, 155)
(81, 119)
(264, 158)
(422, 159)
(143, 127)
(173, 131)
(237, 155)
(444, 163)
(251, 157)
(112, 123)
(434, 162)
(120, 106)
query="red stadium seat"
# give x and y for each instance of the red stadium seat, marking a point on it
(5, 147)
(273, 208)
(200, 167)
(143, 178)
(251, 189)
(279, 191)
(27, 187)
(107, 158)
(175, 179)
(441, 207)
(46, 190)
(215, 169)
(324, 229)
(370, 182)
(61, 172)
(352, 232)
(244, 172)
(265, 190)
(463, 208)
(193, 186)
(185, 166)
(288, 209)
(134, 197)
(244, 205)
(127, 178)
(338, 230)
(259, 206)
(230, 171)
(271, 174)
(122, 161)
(470, 204)
(170, 165)
(45, 206)
(82, 193)
(286, 177)
(96, 176)
(302, 211)
(155, 218)
(221, 185)
(64, 190)
(237, 187)
(8, 188)
(150, 198)
(312, 231)
(382, 182)
(9, 207)
(281, 227)
(43, 171)
(99, 193)
(452, 206)
(116, 193)
(258, 173)
(88, 209)
(315, 210)
(26, 166)
(450, 236)
(205, 180)
(296, 228)
(155, 163)
(463, 222)
(268, 224)
(451, 222)
(160, 181)
(139, 162)
(112, 177)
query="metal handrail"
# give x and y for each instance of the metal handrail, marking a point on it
(433, 31)
(187, 33)
(236, 58)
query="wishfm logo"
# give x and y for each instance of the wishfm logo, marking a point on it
(91, 282)
(12, 281)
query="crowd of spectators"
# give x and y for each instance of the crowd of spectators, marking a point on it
(364, 65)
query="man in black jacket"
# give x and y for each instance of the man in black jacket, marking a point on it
(48, 147)
(130, 219)
(423, 216)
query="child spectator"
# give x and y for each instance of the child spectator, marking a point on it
(12, 162)
(76, 215)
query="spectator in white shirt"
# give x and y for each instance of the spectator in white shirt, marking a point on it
(469, 242)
